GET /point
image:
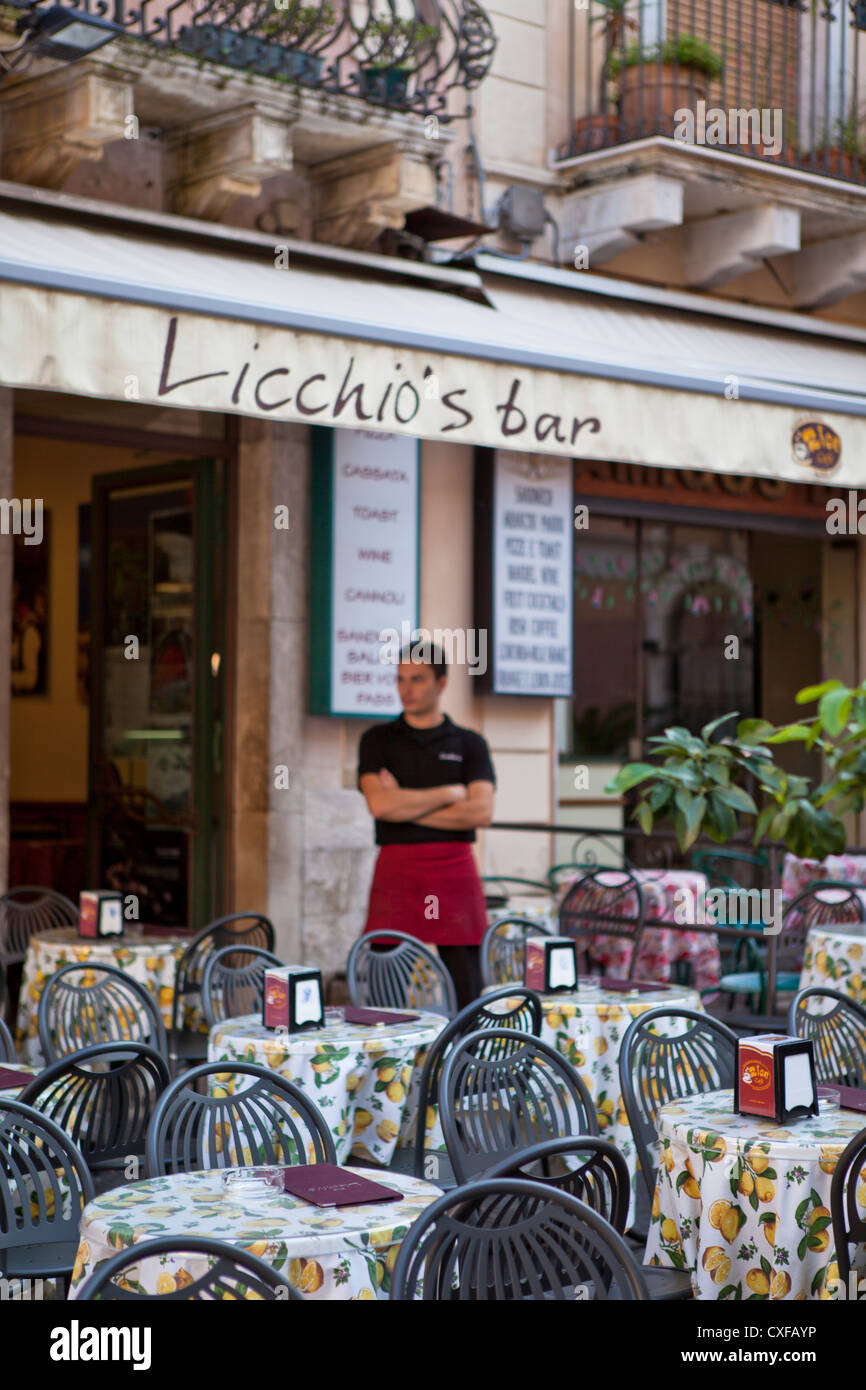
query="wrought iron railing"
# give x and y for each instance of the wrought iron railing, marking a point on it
(402, 54)
(777, 80)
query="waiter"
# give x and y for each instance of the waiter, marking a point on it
(429, 785)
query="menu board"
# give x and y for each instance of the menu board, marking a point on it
(528, 505)
(364, 603)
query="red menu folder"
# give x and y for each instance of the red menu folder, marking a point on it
(327, 1185)
(10, 1078)
(373, 1016)
(850, 1097)
(624, 986)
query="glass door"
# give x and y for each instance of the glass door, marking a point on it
(156, 702)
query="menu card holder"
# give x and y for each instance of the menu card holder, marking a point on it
(775, 1077)
(293, 998)
(100, 914)
(550, 964)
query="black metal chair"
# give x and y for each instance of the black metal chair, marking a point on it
(824, 904)
(604, 901)
(27, 911)
(501, 1091)
(234, 1274)
(505, 1239)
(503, 949)
(524, 1014)
(88, 1003)
(849, 1226)
(270, 1121)
(104, 1098)
(233, 982)
(390, 970)
(838, 1033)
(588, 1168)
(44, 1187)
(188, 1047)
(7, 1045)
(656, 1069)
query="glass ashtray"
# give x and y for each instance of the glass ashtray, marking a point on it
(252, 1182)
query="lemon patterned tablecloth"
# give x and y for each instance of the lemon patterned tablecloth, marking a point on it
(587, 1028)
(340, 1253)
(364, 1079)
(744, 1204)
(836, 959)
(148, 959)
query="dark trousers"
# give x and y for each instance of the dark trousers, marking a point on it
(463, 964)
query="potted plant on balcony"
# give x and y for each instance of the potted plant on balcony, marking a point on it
(293, 26)
(272, 45)
(844, 153)
(599, 129)
(666, 77)
(392, 44)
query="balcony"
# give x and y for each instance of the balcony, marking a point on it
(719, 145)
(403, 55)
(774, 80)
(329, 119)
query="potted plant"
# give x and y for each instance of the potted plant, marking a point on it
(272, 45)
(599, 129)
(385, 76)
(664, 78)
(844, 153)
(293, 26)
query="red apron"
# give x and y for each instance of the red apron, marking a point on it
(430, 891)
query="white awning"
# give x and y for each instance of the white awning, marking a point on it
(215, 322)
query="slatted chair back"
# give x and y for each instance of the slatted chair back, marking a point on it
(666, 1055)
(44, 1187)
(104, 1098)
(822, 904)
(7, 1045)
(516, 1008)
(502, 1090)
(238, 929)
(232, 1273)
(604, 901)
(83, 1005)
(503, 948)
(506, 1239)
(233, 982)
(250, 1116)
(390, 970)
(847, 1211)
(837, 1028)
(588, 1168)
(27, 911)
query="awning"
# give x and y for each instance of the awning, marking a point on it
(158, 315)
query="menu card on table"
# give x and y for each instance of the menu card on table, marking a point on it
(327, 1185)
(373, 1016)
(850, 1097)
(10, 1078)
(626, 986)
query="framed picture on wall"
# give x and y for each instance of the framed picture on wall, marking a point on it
(30, 612)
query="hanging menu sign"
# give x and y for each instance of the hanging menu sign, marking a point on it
(524, 570)
(364, 602)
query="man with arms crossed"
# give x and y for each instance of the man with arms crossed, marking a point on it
(428, 784)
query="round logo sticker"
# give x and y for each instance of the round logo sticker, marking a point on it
(816, 445)
(757, 1076)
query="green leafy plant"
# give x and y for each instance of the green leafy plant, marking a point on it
(397, 40)
(712, 787)
(686, 50)
(613, 14)
(838, 731)
(305, 21)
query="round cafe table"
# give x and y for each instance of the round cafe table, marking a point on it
(587, 1028)
(835, 957)
(335, 1253)
(744, 1204)
(363, 1078)
(150, 960)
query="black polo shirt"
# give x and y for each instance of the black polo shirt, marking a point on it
(421, 758)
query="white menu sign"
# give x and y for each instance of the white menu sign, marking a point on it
(533, 527)
(374, 566)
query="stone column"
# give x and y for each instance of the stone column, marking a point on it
(6, 554)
